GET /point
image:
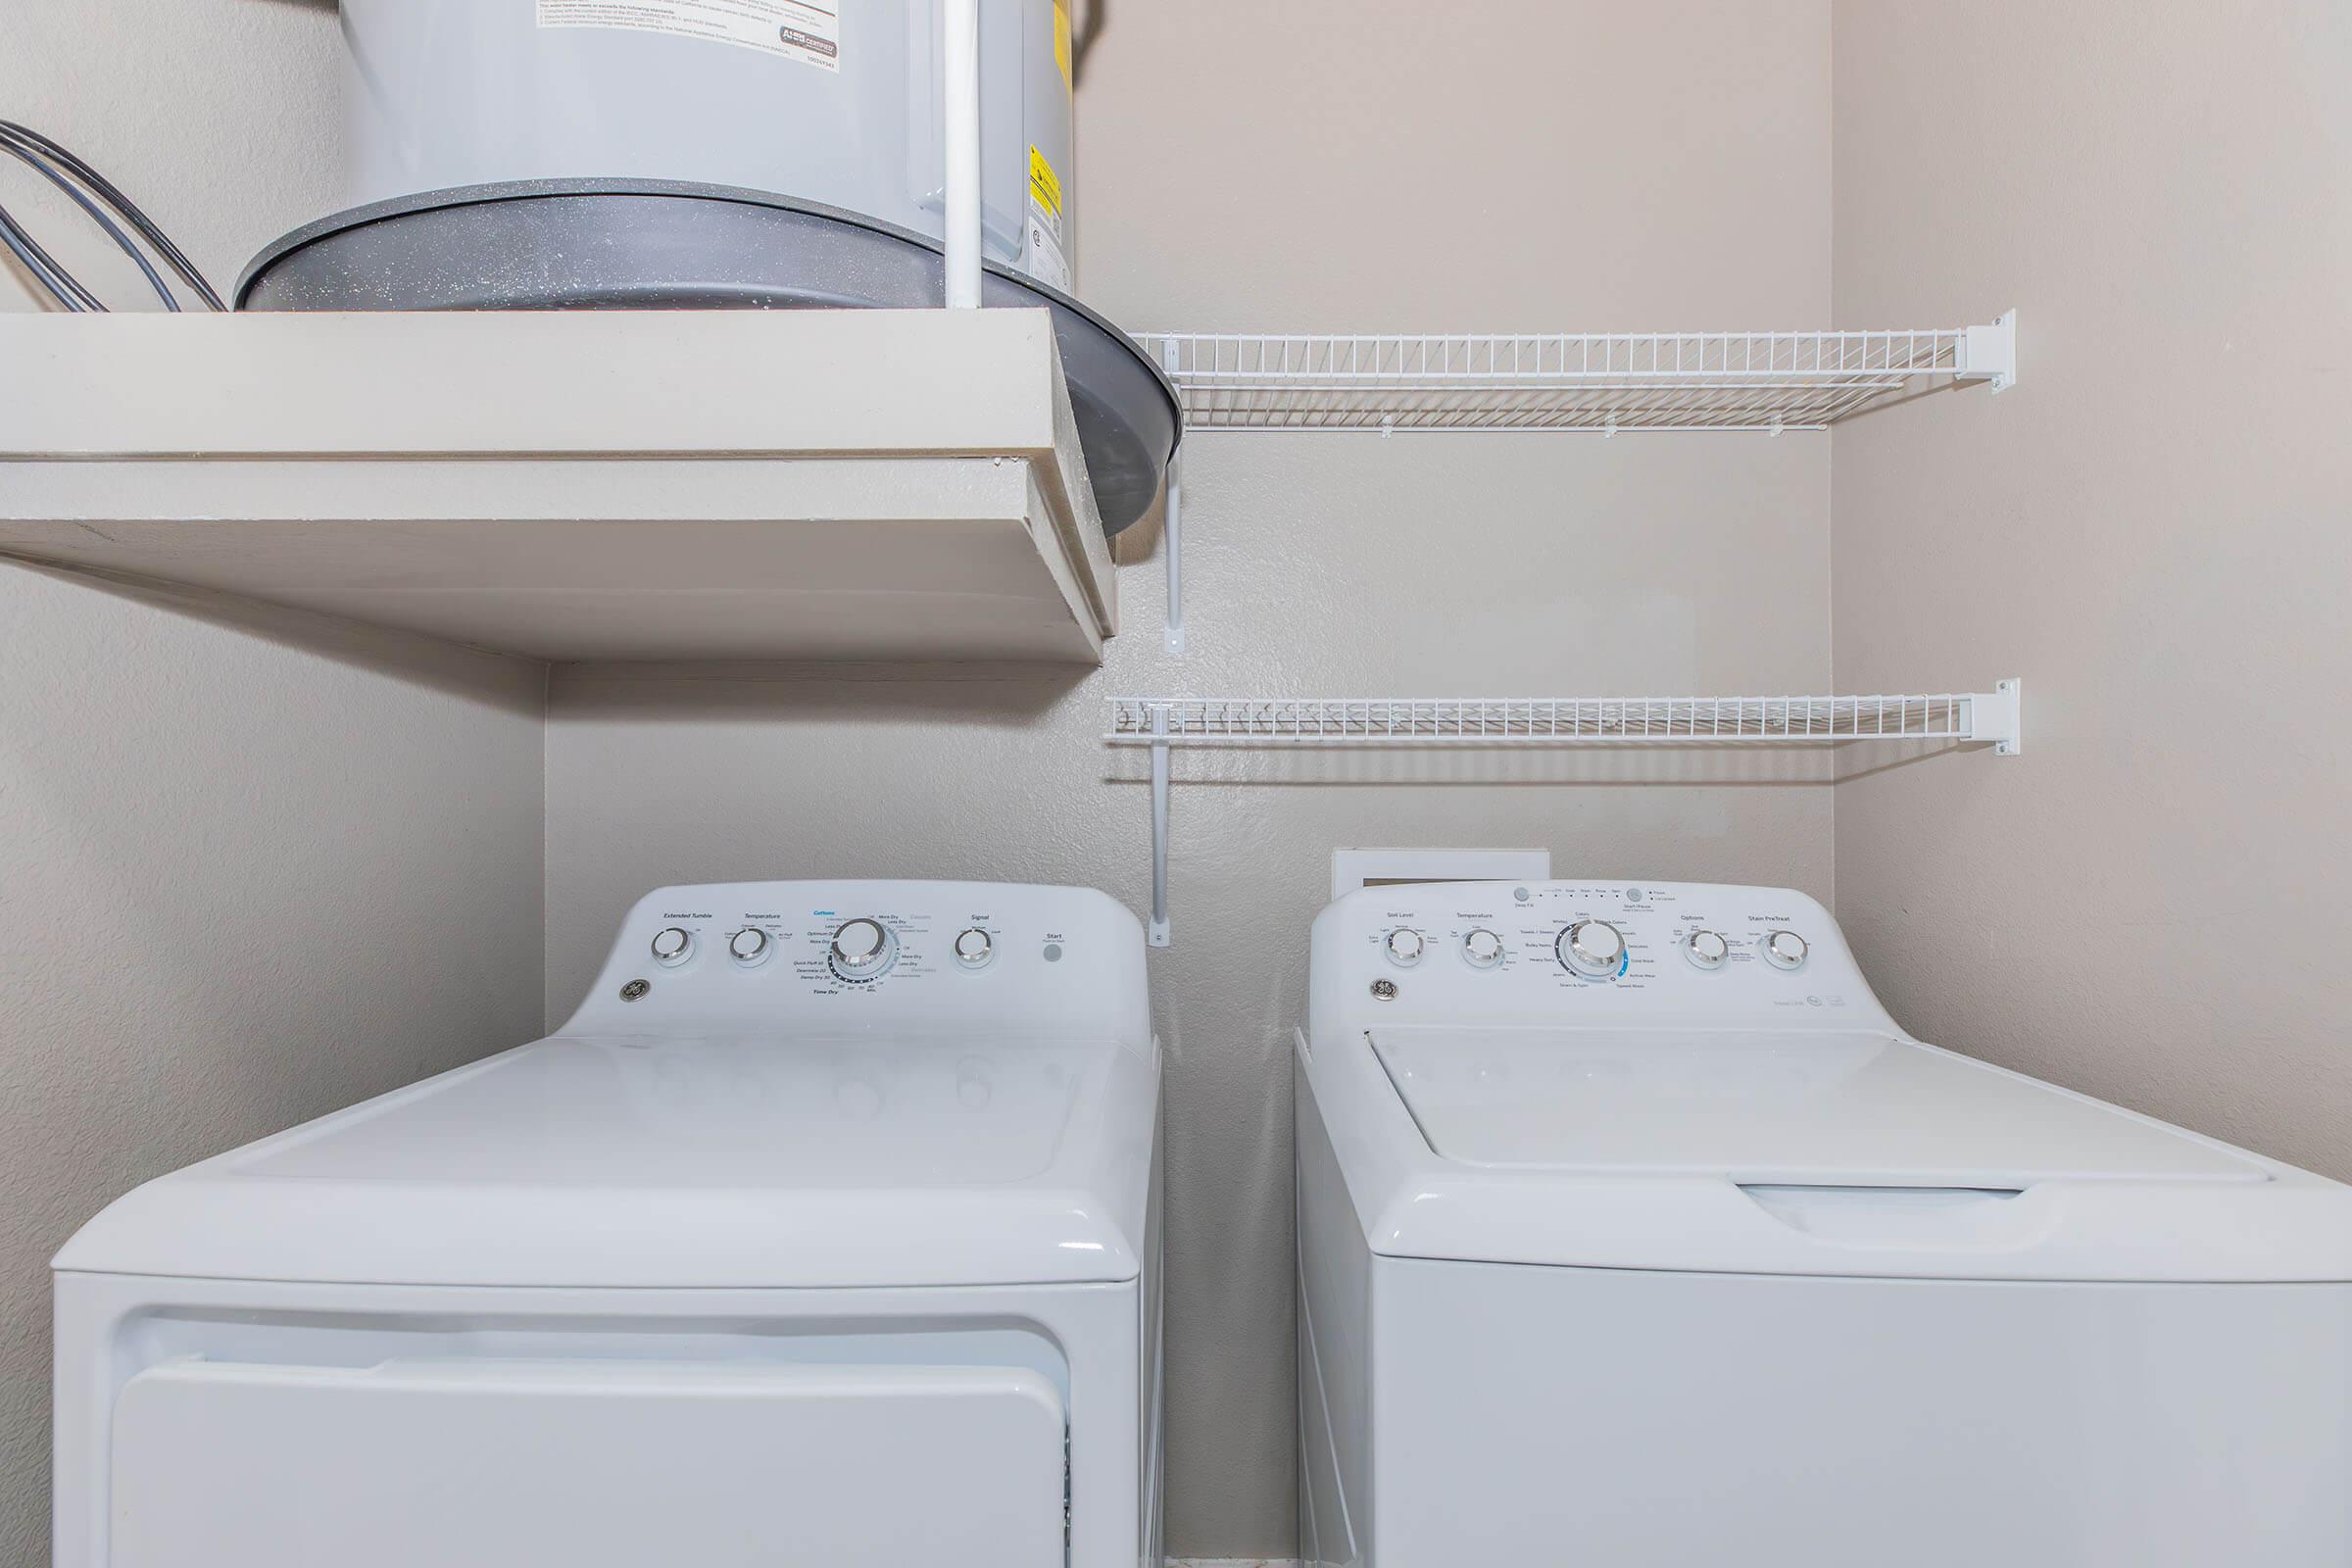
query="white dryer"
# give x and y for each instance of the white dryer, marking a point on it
(1633, 1231)
(825, 1233)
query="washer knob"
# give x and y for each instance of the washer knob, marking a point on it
(1482, 948)
(673, 946)
(749, 947)
(1405, 947)
(1595, 949)
(974, 947)
(1784, 950)
(1706, 949)
(862, 947)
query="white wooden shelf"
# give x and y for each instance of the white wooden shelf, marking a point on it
(571, 485)
(1605, 381)
(1993, 719)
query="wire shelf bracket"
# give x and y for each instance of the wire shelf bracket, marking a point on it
(1993, 719)
(1607, 383)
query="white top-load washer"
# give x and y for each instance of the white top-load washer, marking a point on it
(1633, 1230)
(826, 1232)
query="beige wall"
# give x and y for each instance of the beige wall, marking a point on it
(253, 865)
(2155, 528)
(1299, 166)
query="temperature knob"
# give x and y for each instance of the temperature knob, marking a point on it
(862, 949)
(749, 947)
(1784, 950)
(1594, 949)
(1706, 949)
(974, 947)
(1482, 948)
(673, 946)
(1405, 947)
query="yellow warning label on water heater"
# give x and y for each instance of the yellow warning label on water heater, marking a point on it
(1044, 186)
(1048, 258)
(1061, 45)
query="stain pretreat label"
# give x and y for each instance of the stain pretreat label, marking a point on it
(798, 29)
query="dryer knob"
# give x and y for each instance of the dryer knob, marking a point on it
(1785, 950)
(1594, 949)
(1482, 948)
(974, 947)
(749, 947)
(862, 947)
(674, 945)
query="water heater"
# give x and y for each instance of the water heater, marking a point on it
(550, 154)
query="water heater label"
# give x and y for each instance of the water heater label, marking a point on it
(1049, 254)
(798, 29)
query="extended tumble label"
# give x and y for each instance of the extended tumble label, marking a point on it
(798, 29)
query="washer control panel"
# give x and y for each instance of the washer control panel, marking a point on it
(1544, 953)
(986, 957)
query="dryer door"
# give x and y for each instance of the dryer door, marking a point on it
(591, 1464)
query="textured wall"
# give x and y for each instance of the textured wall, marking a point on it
(1319, 165)
(2151, 529)
(254, 866)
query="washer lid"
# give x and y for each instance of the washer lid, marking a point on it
(1770, 1108)
(683, 1162)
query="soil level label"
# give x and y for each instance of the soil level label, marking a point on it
(798, 29)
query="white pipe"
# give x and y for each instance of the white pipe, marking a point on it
(1158, 934)
(1172, 526)
(962, 22)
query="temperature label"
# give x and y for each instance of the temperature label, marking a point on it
(798, 29)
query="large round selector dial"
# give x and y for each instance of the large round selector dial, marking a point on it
(1405, 947)
(862, 950)
(1594, 949)
(673, 946)
(1706, 949)
(974, 947)
(1784, 950)
(1482, 948)
(751, 946)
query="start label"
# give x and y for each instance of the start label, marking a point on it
(798, 29)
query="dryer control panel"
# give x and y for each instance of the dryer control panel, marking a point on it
(1548, 954)
(992, 957)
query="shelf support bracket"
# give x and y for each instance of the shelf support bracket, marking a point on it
(1158, 935)
(2001, 718)
(1990, 353)
(1172, 526)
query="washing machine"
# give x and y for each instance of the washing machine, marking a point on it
(1635, 1232)
(826, 1233)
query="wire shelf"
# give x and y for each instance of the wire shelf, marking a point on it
(1983, 716)
(1566, 381)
